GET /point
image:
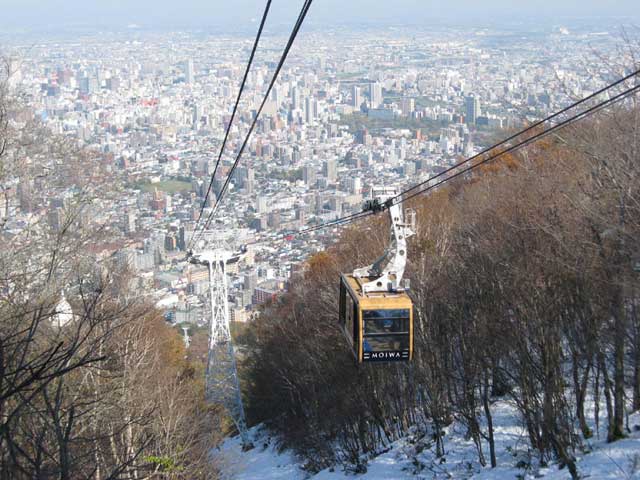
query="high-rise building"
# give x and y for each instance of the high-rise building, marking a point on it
(217, 186)
(261, 204)
(408, 106)
(188, 71)
(250, 181)
(309, 110)
(355, 185)
(356, 96)
(196, 116)
(250, 282)
(472, 109)
(84, 85)
(113, 83)
(276, 95)
(184, 235)
(375, 94)
(129, 222)
(317, 108)
(329, 170)
(170, 243)
(295, 98)
(309, 176)
(363, 137)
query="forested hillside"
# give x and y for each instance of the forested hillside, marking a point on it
(525, 280)
(93, 382)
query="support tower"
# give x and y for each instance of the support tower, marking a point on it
(222, 384)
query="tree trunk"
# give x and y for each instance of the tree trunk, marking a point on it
(565, 456)
(499, 386)
(580, 387)
(617, 431)
(619, 317)
(607, 395)
(596, 400)
(636, 354)
(487, 413)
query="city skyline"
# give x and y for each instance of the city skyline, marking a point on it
(241, 14)
(347, 112)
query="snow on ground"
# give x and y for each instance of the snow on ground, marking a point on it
(263, 462)
(619, 460)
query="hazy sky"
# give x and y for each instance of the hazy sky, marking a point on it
(166, 13)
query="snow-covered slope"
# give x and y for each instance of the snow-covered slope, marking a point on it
(263, 462)
(620, 460)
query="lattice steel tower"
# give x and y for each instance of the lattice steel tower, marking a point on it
(222, 383)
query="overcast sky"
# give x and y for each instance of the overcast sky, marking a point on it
(167, 13)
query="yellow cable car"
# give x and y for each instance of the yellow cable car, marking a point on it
(378, 325)
(376, 314)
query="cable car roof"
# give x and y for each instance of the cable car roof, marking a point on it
(376, 300)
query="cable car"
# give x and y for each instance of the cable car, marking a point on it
(378, 325)
(376, 314)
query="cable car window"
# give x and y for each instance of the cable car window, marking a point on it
(382, 322)
(393, 313)
(343, 302)
(382, 343)
(350, 317)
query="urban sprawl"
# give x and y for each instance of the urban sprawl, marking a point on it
(350, 110)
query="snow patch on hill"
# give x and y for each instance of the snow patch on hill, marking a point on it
(413, 457)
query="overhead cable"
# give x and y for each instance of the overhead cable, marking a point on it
(233, 114)
(416, 190)
(292, 37)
